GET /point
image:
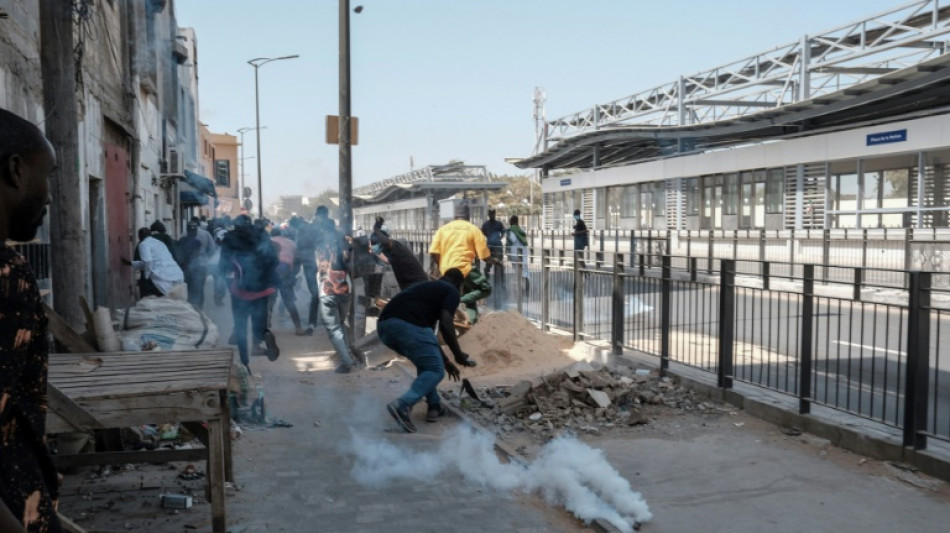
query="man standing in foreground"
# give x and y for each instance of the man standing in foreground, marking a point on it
(456, 245)
(406, 326)
(29, 485)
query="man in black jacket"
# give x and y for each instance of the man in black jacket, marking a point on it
(249, 255)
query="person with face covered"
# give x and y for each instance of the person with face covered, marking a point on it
(29, 484)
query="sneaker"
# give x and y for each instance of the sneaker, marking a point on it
(435, 412)
(272, 351)
(401, 414)
(309, 331)
(344, 369)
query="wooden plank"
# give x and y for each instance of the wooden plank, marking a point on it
(216, 475)
(66, 336)
(146, 409)
(143, 456)
(140, 376)
(76, 416)
(68, 525)
(94, 393)
(150, 354)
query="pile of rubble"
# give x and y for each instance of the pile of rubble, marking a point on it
(580, 399)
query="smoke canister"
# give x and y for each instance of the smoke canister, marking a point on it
(176, 501)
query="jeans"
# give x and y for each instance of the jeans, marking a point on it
(420, 346)
(256, 310)
(195, 276)
(334, 308)
(310, 276)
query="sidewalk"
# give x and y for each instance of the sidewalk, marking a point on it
(726, 472)
(299, 479)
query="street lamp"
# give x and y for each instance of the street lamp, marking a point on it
(257, 63)
(346, 152)
(242, 131)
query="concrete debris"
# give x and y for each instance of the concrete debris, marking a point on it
(582, 399)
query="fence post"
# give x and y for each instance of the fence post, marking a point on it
(519, 283)
(616, 328)
(864, 248)
(709, 253)
(665, 316)
(578, 296)
(727, 306)
(808, 313)
(692, 268)
(545, 289)
(762, 245)
(633, 248)
(858, 280)
(825, 253)
(766, 275)
(918, 361)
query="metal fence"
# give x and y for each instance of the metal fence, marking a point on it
(826, 335)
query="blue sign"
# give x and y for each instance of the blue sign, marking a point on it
(896, 136)
(565, 182)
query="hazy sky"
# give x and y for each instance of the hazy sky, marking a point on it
(436, 80)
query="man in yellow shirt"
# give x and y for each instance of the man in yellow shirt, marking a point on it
(457, 245)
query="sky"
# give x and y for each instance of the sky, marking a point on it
(440, 80)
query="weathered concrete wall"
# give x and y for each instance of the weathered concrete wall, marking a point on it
(21, 80)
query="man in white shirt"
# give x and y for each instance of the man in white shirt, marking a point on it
(161, 271)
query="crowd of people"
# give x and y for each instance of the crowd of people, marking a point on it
(252, 261)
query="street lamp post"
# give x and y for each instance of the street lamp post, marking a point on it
(257, 63)
(243, 185)
(346, 154)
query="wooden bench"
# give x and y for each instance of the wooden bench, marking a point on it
(113, 390)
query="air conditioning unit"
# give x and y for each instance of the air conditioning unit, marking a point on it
(173, 163)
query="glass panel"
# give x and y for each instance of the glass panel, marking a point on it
(614, 201)
(659, 199)
(758, 212)
(646, 208)
(693, 200)
(630, 201)
(775, 191)
(730, 199)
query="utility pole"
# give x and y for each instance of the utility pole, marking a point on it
(68, 257)
(346, 159)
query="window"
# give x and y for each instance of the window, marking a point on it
(730, 204)
(693, 199)
(774, 193)
(630, 193)
(222, 173)
(659, 199)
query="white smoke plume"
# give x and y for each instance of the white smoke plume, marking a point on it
(566, 472)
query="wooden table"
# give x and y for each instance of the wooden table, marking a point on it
(113, 390)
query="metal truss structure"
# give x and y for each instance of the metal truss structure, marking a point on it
(834, 62)
(452, 173)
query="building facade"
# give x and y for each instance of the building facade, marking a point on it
(847, 129)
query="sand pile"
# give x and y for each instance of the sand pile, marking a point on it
(506, 344)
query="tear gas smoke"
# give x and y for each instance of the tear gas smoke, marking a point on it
(566, 472)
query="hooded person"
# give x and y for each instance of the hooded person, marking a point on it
(494, 232)
(193, 264)
(249, 256)
(159, 232)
